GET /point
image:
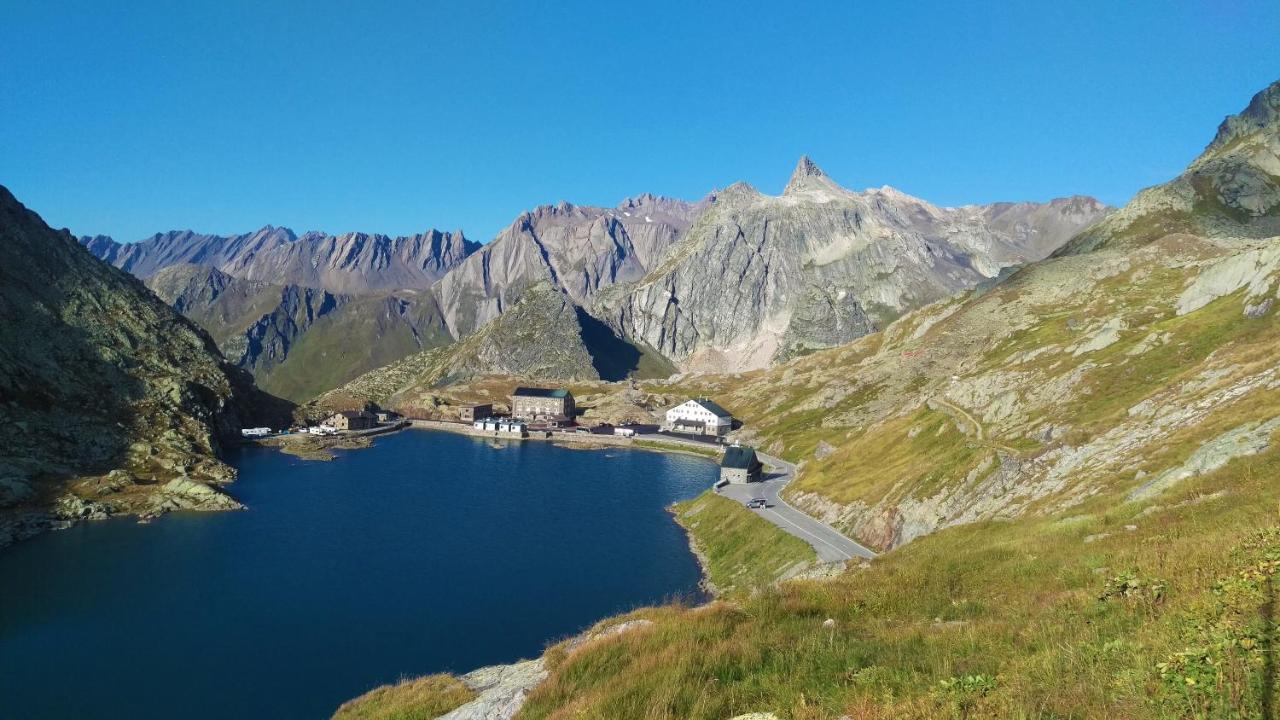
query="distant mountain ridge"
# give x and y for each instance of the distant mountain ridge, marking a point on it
(349, 263)
(581, 249)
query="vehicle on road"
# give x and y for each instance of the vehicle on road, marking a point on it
(757, 504)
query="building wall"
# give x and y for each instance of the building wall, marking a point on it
(734, 475)
(471, 413)
(534, 406)
(691, 410)
(342, 422)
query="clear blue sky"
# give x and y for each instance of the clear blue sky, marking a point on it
(391, 117)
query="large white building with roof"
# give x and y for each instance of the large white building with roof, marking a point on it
(699, 416)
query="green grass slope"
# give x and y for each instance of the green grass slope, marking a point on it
(739, 550)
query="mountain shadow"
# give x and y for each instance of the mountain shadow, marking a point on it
(616, 359)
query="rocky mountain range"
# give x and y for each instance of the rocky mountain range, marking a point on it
(580, 250)
(112, 401)
(1121, 368)
(758, 279)
(352, 263)
(738, 280)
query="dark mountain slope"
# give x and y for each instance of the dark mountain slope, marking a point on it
(111, 401)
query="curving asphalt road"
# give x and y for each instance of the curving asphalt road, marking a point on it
(830, 545)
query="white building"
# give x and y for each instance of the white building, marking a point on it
(255, 432)
(512, 427)
(699, 416)
(500, 425)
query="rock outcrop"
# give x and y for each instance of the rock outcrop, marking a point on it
(1231, 191)
(106, 392)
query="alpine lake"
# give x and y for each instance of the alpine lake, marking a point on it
(427, 552)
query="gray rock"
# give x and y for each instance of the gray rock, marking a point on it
(192, 495)
(503, 688)
(14, 490)
(1248, 439)
(70, 507)
(1257, 310)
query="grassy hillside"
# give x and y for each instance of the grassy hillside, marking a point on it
(421, 698)
(1028, 398)
(366, 333)
(1118, 610)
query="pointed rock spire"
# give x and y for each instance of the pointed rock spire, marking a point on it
(805, 173)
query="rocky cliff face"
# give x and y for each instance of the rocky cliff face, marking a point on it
(353, 263)
(112, 401)
(757, 279)
(1231, 190)
(582, 250)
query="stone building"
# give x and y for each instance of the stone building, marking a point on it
(542, 404)
(740, 465)
(474, 411)
(351, 420)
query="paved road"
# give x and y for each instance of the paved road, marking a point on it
(830, 545)
(827, 542)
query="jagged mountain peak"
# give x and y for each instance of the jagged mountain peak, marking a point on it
(738, 190)
(808, 176)
(1261, 115)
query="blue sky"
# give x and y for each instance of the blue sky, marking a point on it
(395, 117)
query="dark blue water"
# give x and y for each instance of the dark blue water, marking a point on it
(429, 552)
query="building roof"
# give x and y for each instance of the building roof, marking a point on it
(540, 392)
(351, 414)
(711, 407)
(740, 458)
